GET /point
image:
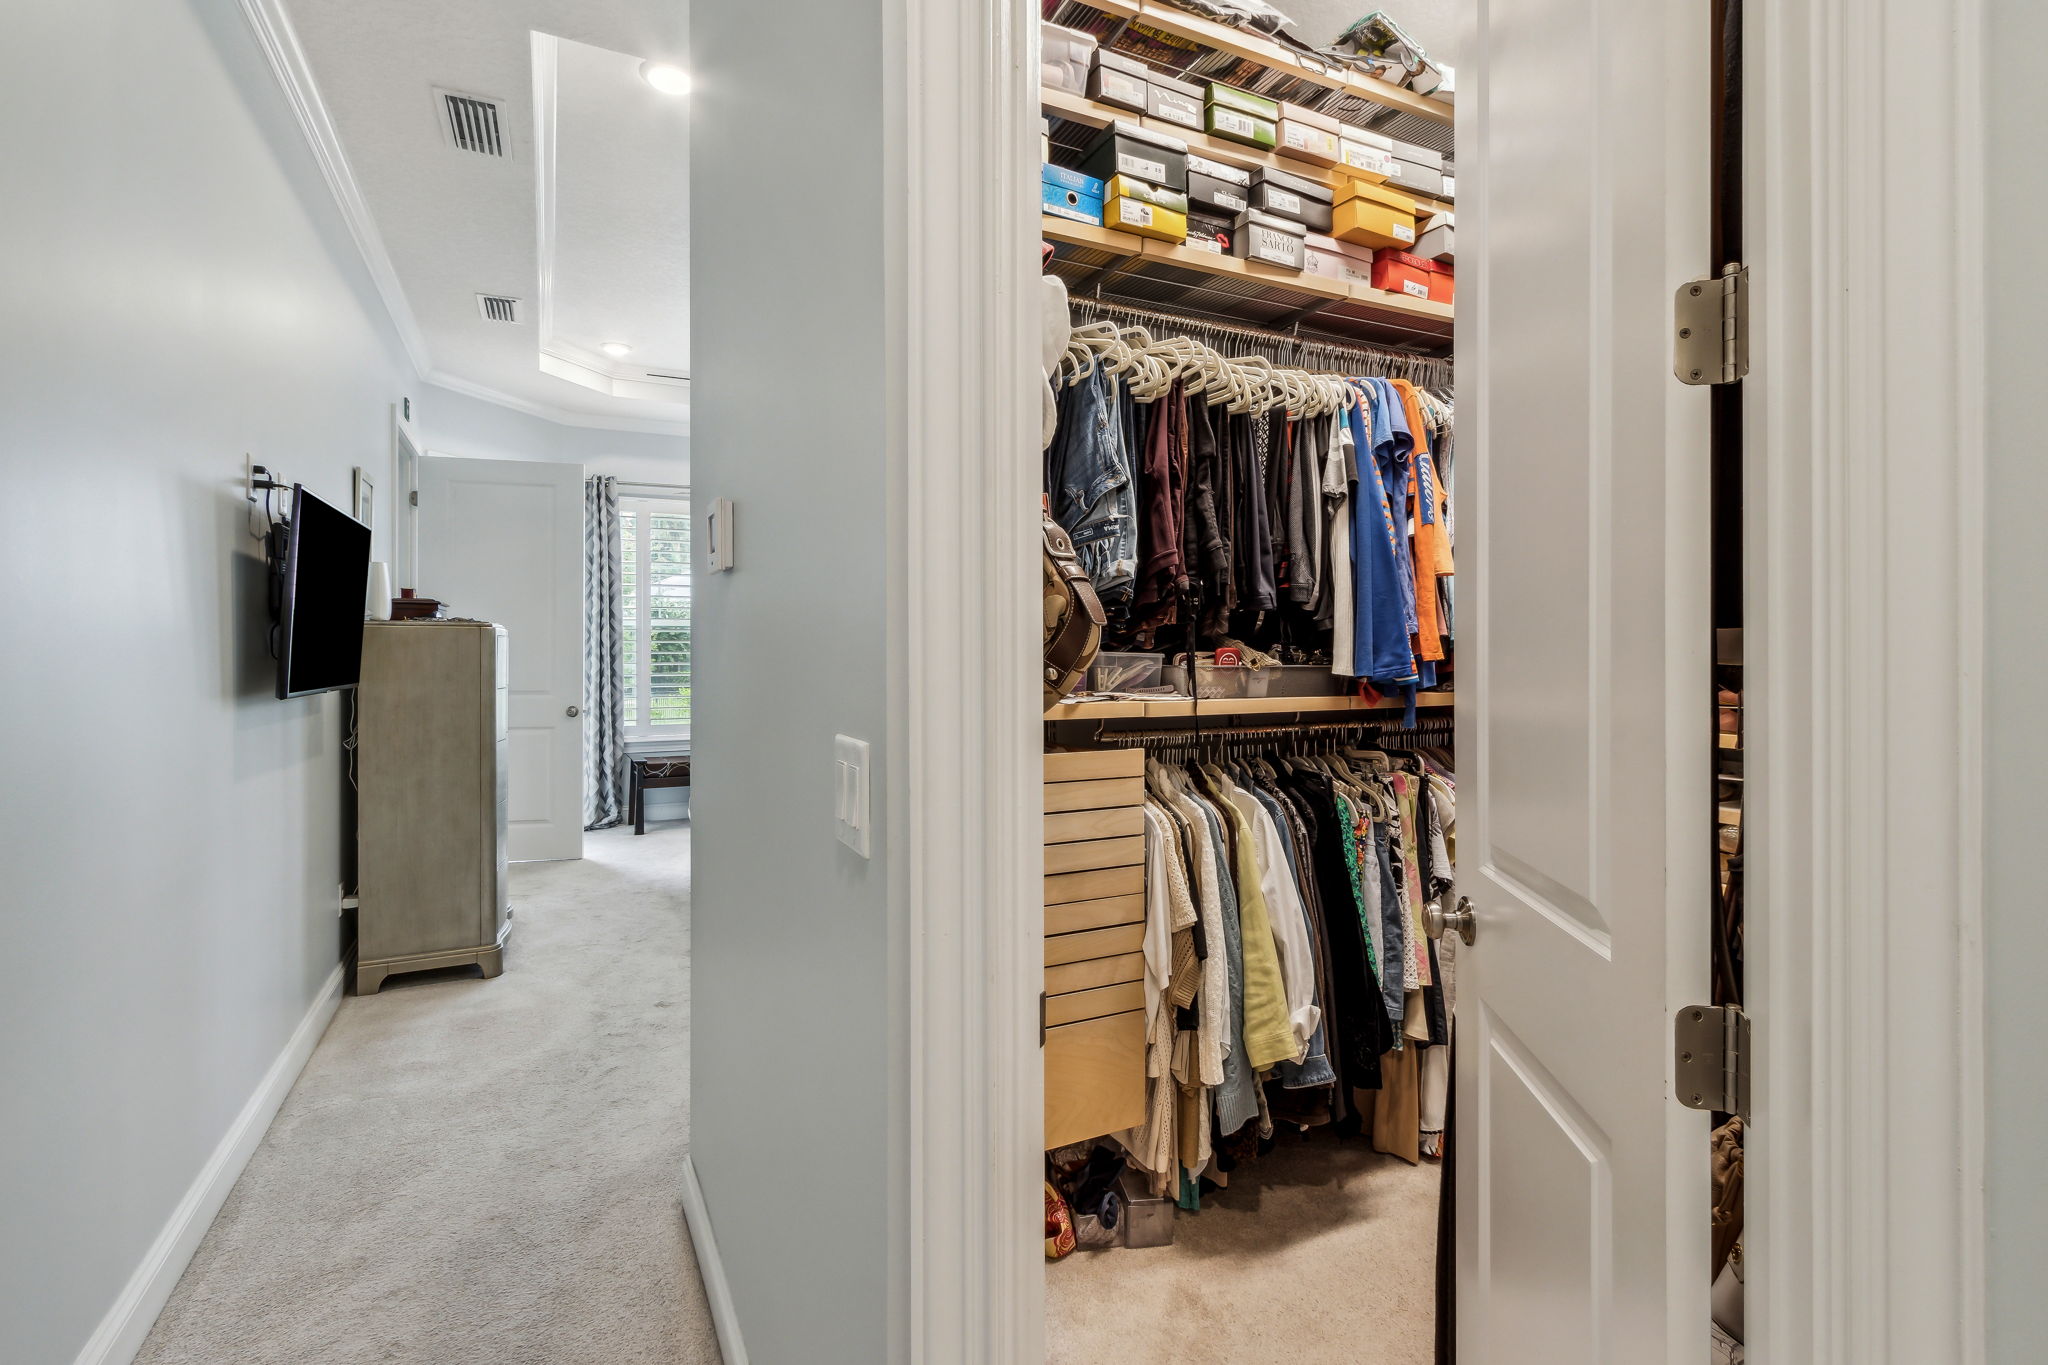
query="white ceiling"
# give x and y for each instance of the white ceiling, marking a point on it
(586, 222)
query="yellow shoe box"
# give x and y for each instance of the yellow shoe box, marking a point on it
(1373, 215)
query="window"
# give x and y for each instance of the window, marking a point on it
(654, 583)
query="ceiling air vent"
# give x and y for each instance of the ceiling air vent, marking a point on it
(497, 308)
(471, 123)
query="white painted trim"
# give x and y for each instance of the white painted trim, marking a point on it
(963, 822)
(287, 59)
(1864, 648)
(294, 74)
(547, 57)
(560, 416)
(121, 1332)
(725, 1318)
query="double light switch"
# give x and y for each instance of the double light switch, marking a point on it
(851, 793)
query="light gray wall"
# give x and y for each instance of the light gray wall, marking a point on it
(789, 989)
(177, 289)
(2015, 728)
(452, 423)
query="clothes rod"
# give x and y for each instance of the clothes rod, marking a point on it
(1391, 722)
(1305, 351)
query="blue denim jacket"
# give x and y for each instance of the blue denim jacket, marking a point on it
(1088, 478)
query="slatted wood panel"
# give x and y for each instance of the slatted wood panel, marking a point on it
(1094, 946)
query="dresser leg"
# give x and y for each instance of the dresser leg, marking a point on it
(492, 960)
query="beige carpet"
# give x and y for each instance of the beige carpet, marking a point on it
(481, 1172)
(1320, 1254)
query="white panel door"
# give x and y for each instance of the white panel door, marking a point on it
(1585, 724)
(502, 540)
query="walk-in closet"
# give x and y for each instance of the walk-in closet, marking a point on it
(1251, 786)
(1251, 489)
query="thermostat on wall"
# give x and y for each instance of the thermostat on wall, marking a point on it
(718, 536)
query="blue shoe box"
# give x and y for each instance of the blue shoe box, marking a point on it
(1070, 194)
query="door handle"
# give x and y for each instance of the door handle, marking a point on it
(1438, 922)
(574, 712)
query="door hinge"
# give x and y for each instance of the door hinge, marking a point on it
(1712, 322)
(414, 497)
(1713, 1058)
(1041, 1018)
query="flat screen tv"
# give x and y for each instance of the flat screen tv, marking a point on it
(326, 577)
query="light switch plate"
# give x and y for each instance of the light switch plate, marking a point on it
(851, 803)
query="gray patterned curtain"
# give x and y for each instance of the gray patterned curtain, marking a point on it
(604, 700)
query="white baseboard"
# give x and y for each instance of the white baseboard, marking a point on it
(121, 1331)
(725, 1319)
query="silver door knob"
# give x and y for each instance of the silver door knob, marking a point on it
(575, 711)
(1439, 921)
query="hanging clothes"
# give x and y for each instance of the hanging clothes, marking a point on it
(1287, 976)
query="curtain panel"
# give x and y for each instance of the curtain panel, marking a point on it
(604, 695)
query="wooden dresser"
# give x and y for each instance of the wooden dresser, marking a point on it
(431, 799)
(1094, 944)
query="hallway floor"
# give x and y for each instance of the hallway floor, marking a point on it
(475, 1171)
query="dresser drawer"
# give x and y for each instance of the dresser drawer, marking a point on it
(1090, 764)
(1094, 1077)
(1096, 971)
(1088, 886)
(1114, 823)
(1075, 1006)
(1092, 943)
(1114, 791)
(1090, 854)
(1074, 916)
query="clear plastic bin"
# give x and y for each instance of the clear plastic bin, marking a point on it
(1124, 672)
(1279, 680)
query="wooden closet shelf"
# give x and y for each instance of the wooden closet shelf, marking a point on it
(1256, 47)
(1170, 707)
(1080, 109)
(1150, 273)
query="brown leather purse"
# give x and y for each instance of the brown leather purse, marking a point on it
(1073, 616)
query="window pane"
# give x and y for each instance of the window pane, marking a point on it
(668, 602)
(629, 612)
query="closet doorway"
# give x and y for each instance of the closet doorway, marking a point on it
(1340, 880)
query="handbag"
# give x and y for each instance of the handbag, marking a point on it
(1073, 616)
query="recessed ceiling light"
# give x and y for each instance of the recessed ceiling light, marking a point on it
(617, 350)
(666, 77)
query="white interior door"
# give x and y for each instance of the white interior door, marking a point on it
(502, 540)
(1584, 716)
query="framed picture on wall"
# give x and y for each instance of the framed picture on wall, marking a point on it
(365, 497)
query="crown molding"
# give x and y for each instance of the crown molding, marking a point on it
(281, 48)
(294, 74)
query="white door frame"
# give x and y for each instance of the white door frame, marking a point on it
(1864, 658)
(1863, 645)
